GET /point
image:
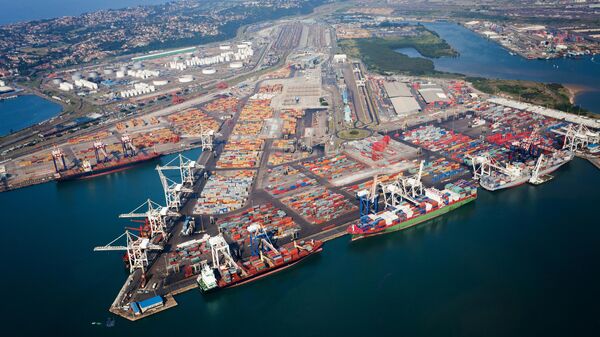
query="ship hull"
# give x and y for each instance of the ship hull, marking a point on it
(523, 180)
(270, 271)
(97, 172)
(416, 220)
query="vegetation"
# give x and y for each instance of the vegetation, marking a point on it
(380, 56)
(552, 95)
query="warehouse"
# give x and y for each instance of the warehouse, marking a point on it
(397, 89)
(405, 105)
(433, 94)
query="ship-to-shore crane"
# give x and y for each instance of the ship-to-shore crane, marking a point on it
(155, 214)
(136, 248)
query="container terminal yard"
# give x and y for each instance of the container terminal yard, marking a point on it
(313, 148)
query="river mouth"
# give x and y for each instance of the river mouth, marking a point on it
(484, 58)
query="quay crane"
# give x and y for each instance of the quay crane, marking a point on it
(578, 137)
(403, 188)
(129, 150)
(483, 166)
(155, 215)
(259, 239)
(369, 201)
(136, 249)
(58, 156)
(187, 169)
(536, 179)
(221, 255)
(172, 189)
(100, 149)
(207, 139)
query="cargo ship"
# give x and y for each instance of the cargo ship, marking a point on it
(518, 176)
(234, 273)
(87, 170)
(431, 204)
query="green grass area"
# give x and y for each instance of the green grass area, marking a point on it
(354, 134)
(552, 95)
(379, 55)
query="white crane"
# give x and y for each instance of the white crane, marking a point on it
(483, 166)
(155, 214)
(129, 150)
(207, 138)
(221, 255)
(136, 247)
(412, 186)
(100, 148)
(577, 136)
(187, 169)
(172, 189)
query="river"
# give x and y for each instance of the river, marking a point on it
(485, 58)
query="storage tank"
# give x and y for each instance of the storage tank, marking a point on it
(57, 81)
(76, 76)
(108, 71)
(92, 74)
(120, 74)
(186, 78)
(224, 47)
(123, 68)
(160, 82)
(137, 65)
(236, 65)
(209, 71)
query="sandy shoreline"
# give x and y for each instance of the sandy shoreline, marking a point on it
(574, 90)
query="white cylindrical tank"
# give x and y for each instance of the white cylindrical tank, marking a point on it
(76, 76)
(224, 47)
(186, 78)
(160, 82)
(236, 65)
(137, 65)
(120, 74)
(57, 81)
(92, 74)
(209, 71)
(108, 71)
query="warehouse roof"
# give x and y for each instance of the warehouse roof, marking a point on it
(431, 95)
(405, 105)
(396, 89)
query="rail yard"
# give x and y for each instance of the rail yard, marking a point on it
(301, 146)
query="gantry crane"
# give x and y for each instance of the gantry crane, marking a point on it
(577, 136)
(155, 214)
(58, 157)
(100, 149)
(187, 169)
(369, 200)
(129, 150)
(172, 189)
(136, 248)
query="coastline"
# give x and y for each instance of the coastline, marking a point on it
(575, 90)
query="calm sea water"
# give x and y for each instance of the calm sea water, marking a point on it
(27, 10)
(23, 111)
(482, 57)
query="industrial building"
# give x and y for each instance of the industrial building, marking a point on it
(433, 93)
(402, 99)
(405, 105)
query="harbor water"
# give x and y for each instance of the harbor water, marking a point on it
(23, 111)
(486, 58)
(516, 262)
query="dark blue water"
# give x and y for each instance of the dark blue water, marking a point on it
(521, 262)
(23, 111)
(27, 10)
(482, 57)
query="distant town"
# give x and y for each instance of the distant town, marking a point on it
(65, 41)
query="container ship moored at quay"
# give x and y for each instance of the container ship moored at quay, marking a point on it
(229, 273)
(431, 204)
